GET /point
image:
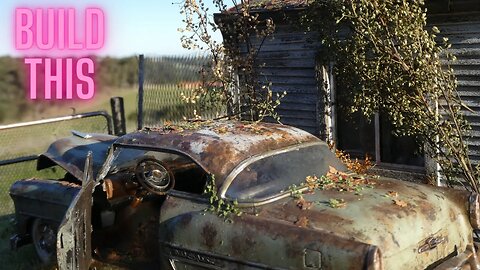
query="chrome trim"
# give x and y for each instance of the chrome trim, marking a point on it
(280, 196)
(240, 167)
(213, 256)
(82, 135)
(187, 196)
(431, 243)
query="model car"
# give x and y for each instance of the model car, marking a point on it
(234, 195)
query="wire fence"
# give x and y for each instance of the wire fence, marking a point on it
(20, 144)
(165, 85)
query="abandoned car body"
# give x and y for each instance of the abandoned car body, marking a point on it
(300, 208)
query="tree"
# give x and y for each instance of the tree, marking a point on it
(234, 61)
(390, 63)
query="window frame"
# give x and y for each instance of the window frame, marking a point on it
(329, 89)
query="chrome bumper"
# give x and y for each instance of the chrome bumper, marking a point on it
(463, 261)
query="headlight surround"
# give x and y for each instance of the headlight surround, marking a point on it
(474, 210)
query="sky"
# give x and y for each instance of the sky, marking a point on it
(133, 27)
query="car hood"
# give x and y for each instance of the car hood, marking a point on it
(70, 153)
(396, 216)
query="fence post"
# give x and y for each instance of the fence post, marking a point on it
(118, 115)
(141, 71)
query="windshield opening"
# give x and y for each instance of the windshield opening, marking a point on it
(272, 175)
(189, 177)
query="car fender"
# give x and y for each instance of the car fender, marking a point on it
(40, 198)
(69, 153)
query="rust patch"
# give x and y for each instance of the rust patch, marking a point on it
(209, 234)
(427, 210)
(185, 220)
(237, 246)
(299, 237)
(303, 204)
(293, 250)
(292, 212)
(219, 156)
(221, 145)
(388, 210)
(68, 184)
(452, 215)
(242, 243)
(302, 221)
(170, 203)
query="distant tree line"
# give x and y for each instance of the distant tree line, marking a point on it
(13, 100)
(111, 73)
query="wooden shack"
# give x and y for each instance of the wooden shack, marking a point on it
(291, 64)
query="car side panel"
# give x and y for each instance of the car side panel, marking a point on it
(192, 238)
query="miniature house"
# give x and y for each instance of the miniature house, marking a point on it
(291, 64)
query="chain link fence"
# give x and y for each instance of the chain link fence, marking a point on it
(20, 144)
(165, 82)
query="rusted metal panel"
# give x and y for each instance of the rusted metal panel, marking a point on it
(219, 146)
(399, 231)
(384, 221)
(46, 199)
(249, 241)
(74, 233)
(278, 235)
(69, 153)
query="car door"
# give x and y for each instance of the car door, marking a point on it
(74, 233)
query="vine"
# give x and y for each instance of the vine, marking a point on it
(391, 64)
(221, 207)
(232, 78)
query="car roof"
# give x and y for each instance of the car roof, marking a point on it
(218, 146)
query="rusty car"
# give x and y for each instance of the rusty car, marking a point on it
(234, 195)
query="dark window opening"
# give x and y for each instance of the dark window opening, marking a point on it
(355, 135)
(398, 149)
(361, 137)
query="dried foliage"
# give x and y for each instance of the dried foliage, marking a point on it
(333, 180)
(355, 165)
(390, 63)
(232, 78)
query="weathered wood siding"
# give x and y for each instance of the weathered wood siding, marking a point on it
(287, 60)
(459, 21)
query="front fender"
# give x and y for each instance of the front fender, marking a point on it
(46, 199)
